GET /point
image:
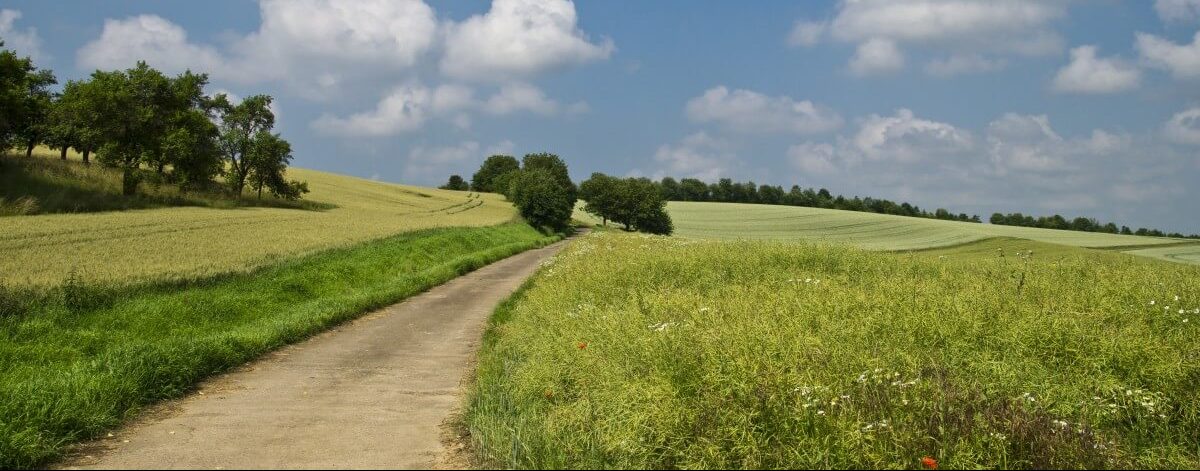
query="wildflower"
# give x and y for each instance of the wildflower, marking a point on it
(929, 462)
(582, 345)
(1185, 321)
(1151, 302)
(1177, 297)
(820, 412)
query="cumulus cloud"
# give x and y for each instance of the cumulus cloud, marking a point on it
(963, 64)
(24, 42)
(159, 42)
(404, 109)
(1182, 60)
(812, 158)
(516, 97)
(963, 27)
(1087, 73)
(1178, 10)
(1184, 127)
(433, 164)
(876, 56)
(519, 38)
(807, 33)
(905, 138)
(408, 107)
(695, 156)
(749, 111)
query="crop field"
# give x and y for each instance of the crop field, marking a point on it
(80, 360)
(134, 246)
(887, 232)
(633, 351)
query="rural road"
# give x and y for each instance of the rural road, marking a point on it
(371, 393)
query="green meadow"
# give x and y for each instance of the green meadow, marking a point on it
(634, 351)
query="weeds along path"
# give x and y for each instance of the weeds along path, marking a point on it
(369, 394)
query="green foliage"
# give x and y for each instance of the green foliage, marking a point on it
(486, 179)
(556, 167)
(664, 353)
(24, 100)
(542, 200)
(456, 183)
(76, 361)
(241, 125)
(635, 202)
(268, 159)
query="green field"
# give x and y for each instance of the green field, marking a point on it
(186, 242)
(634, 351)
(728, 221)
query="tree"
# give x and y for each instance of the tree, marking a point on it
(240, 124)
(191, 146)
(73, 120)
(692, 189)
(130, 118)
(542, 199)
(670, 189)
(557, 168)
(456, 183)
(493, 167)
(268, 157)
(24, 101)
(600, 194)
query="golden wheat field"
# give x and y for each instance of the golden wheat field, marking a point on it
(182, 242)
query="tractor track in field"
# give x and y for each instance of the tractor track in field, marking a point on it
(372, 393)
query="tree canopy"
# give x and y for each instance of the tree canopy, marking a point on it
(485, 180)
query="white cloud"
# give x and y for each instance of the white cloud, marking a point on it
(807, 33)
(812, 158)
(749, 111)
(161, 43)
(876, 56)
(695, 156)
(516, 97)
(432, 165)
(904, 138)
(405, 109)
(504, 147)
(25, 43)
(962, 64)
(1177, 10)
(1184, 127)
(882, 28)
(1087, 73)
(519, 38)
(1022, 142)
(1183, 61)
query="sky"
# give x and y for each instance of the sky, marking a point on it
(1071, 107)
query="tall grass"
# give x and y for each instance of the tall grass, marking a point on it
(646, 352)
(78, 359)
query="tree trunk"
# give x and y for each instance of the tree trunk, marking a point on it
(260, 192)
(62, 153)
(605, 219)
(86, 152)
(29, 149)
(129, 182)
(161, 164)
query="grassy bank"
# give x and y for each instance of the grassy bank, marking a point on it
(647, 352)
(78, 359)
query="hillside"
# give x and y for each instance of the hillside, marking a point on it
(181, 242)
(887, 232)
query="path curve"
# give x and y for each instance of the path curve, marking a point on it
(371, 393)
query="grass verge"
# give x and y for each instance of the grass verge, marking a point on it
(78, 359)
(645, 352)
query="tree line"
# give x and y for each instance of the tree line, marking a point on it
(145, 123)
(726, 190)
(636, 203)
(539, 186)
(1083, 224)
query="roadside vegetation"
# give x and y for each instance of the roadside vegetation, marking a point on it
(77, 360)
(632, 351)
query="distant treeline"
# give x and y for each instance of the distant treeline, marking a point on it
(148, 125)
(1082, 224)
(727, 191)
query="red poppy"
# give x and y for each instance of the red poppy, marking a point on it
(929, 463)
(582, 345)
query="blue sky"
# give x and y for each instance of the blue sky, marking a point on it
(1080, 108)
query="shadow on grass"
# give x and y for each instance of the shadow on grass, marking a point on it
(39, 185)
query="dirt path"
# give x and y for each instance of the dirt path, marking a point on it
(371, 393)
